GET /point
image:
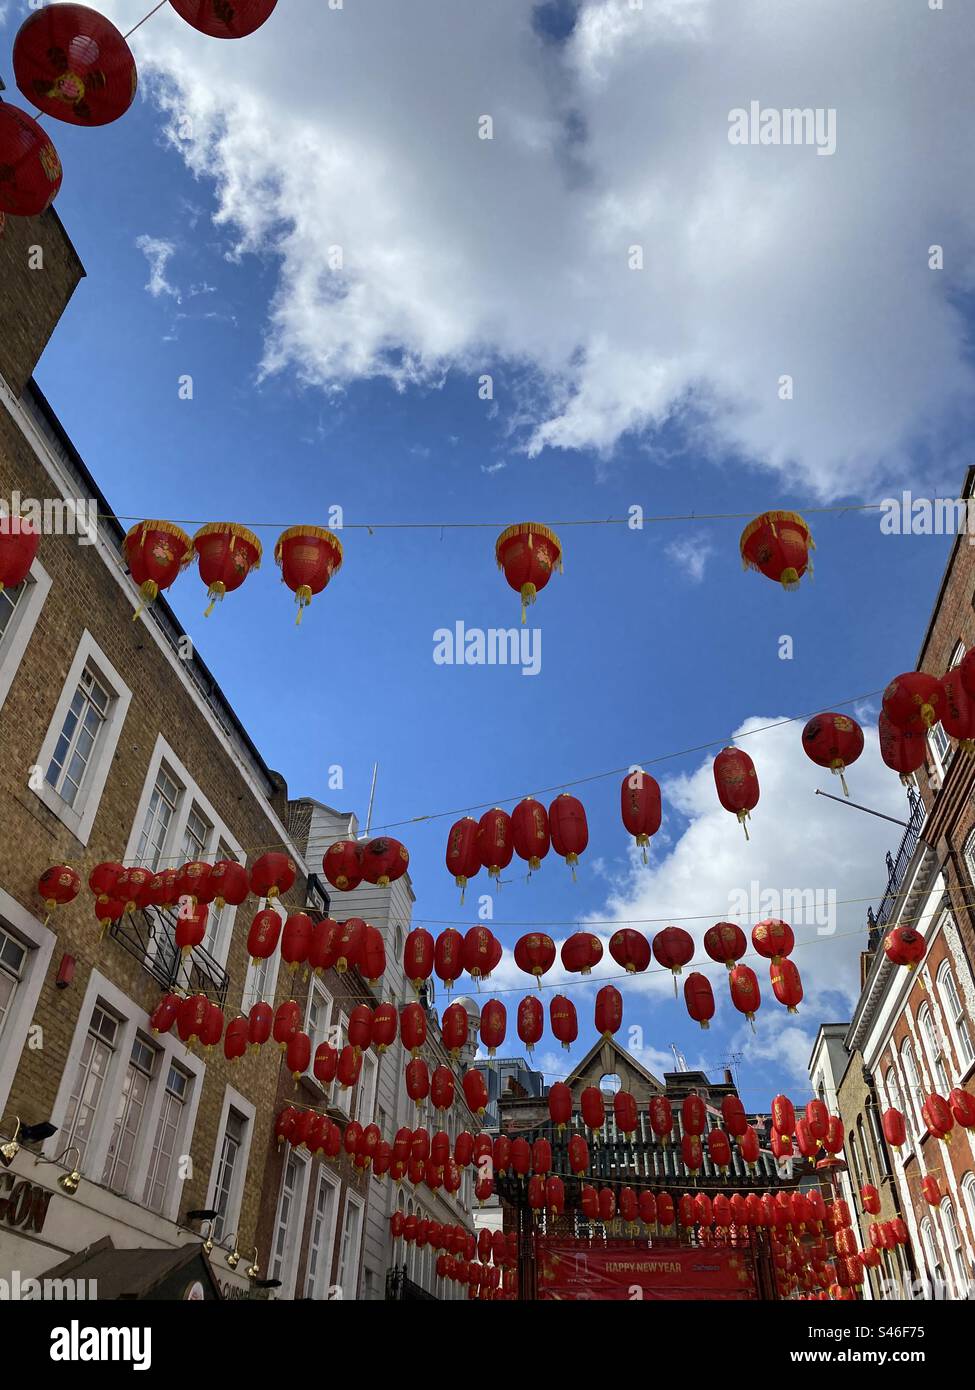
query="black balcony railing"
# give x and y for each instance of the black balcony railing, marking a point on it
(399, 1288)
(150, 936)
(897, 868)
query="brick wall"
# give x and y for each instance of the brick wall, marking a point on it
(32, 300)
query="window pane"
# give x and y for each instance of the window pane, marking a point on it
(78, 737)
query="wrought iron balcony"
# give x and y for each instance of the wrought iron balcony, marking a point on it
(897, 868)
(150, 936)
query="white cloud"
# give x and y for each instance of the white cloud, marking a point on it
(357, 128)
(690, 554)
(158, 253)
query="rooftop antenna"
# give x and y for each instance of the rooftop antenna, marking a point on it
(372, 797)
(679, 1059)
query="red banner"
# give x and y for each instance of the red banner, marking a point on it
(573, 1271)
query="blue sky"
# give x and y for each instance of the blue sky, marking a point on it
(652, 640)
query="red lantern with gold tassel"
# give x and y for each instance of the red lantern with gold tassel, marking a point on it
(786, 984)
(299, 1055)
(454, 1028)
(560, 1105)
(773, 939)
(58, 886)
(259, 1023)
(647, 1207)
(287, 1021)
(904, 946)
(273, 874)
(463, 857)
(360, 1027)
(745, 994)
(30, 176)
(777, 544)
(535, 954)
(191, 927)
(834, 741)
(528, 553)
(229, 883)
(418, 956)
(725, 942)
(870, 1198)
(783, 1115)
(958, 710)
(673, 948)
(495, 841)
(578, 1155)
(913, 702)
(691, 1152)
(372, 955)
(342, 865)
(937, 1115)
(905, 753)
(930, 1190)
(448, 956)
(565, 1024)
(693, 1114)
(817, 1118)
(719, 1149)
(737, 783)
(235, 1039)
(224, 19)
(593, 1109)
(640, 807)
(18, 540)
(164, 1014)
(962, 1104)
(609, 1011)
(494, 1025)
(749, 1146)
(417, 1080)
(733, 1114)
(384, 860)
(625, 1112)
(156, 552)
(227, 553)
(581, 951)
(631, 949)
(308, 557)
(570, 831)
(699, 998)
(296, 940)
(413, 1027)
(530, 832)
(262, 936)
(442, 1090)
(531, 1020)
(661, 1117)
(475, 1091)
(895, 1130)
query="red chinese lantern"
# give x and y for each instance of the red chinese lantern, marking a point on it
(132, 887)
(745, 994)
(259, 1022)
(228, 883)
(475, 1091)
(191, 1017)
(463, 1148)
(895, 1130)
(733, 1114)
(531, 1020)
(592, 1108)
(227, 553)
(193, 882)
(725, 942)
(372, 954)
(528, 553)
(699, 998)
(631, 949)
(930, 1190)
(299, 1054)
(342, 865)
(287, 1021)
(384, 860)
(691, 1152)
(308, 556)
(807, 1144)
(719, 1149)
(442, 1091)
(898, 1229)
(913, 702)
(580, 952)
(296, 939)
(578, 1155)
(817, 1118)
(640, 807)
(348, 944)
(454, 1028)
(647, 1207)
(235, 1039)
(560, 1105)
(833, 1139)
(273, 874)
(413, 1027)
(661, 1117)
(962, 1104)
(783, 1115)
(773, 939)
(673, 948)
(870, 1198)
(325, 1064)
(155, 552)
(565, 1024)
(625, 1112)
(834, 741)
(737, 783)
(904, 752)
(749, 1146)
(418, 955)
(494, 1025)
(609, 1011)
(665, 1210)
(360, 1026)
(693, 1114)
(262, 936)
(786, 984)
(555, 1195)
(937, 1115)
(570, 832)
(530, 832)
(607, 1204)
(349, 1067)
(541, 1156)
(778, 545)
(103, 879)
(958, 710)
(478, 952)
(191, 928)
(534, 954)
(589, 1202)
(164, 1014)
(904, 946)
(417, 1080)
(225, 19)
(448, 956)
(463, 855)
(30, 176)
(58, 886)
(18, 539)
(495, 841)
(501, 1153)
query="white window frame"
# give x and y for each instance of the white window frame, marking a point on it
(80, 817)
(907, 1048)
(955, 1253)
(23, 620)
(322, 1282)
(317, 988)
(170, 1206)
(352, 1199)
(40, 941)
(288, 1273)
(232, 1099)
(365, 1097)
(190, 794)
(133, 1019)
(934, 1049)
(949, 997)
